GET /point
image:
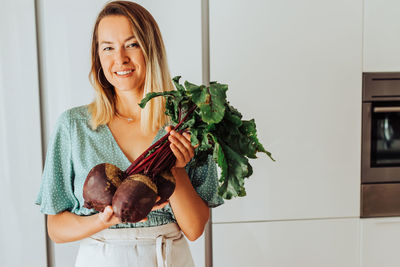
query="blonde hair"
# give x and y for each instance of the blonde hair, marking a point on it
(157, 79)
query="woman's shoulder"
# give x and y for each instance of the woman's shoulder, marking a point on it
(79, 114)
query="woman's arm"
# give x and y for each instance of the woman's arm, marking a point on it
(68, 227)
(190, 211)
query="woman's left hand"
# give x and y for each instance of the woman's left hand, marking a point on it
(181, 147)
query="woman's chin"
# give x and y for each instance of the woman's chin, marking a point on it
(127, 88)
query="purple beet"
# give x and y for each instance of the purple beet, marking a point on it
(165, 186)
(134, 198)
(100, 186)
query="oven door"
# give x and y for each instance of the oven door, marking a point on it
(380, 161)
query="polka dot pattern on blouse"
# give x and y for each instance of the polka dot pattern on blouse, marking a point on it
(74, 148)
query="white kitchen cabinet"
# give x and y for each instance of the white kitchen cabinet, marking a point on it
(380, 242)
(294, 66)
(65, 56)
(22, 230)
(304, 243)
(381, 35)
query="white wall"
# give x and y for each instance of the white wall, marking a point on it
(22, 231)
(381, 35)
(294, 66)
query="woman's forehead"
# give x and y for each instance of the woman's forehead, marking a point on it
(114, 29)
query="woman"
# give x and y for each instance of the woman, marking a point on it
(128, 61)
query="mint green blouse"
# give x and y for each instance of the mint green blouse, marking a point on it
(74, 148)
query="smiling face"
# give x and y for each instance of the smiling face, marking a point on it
(121, 58)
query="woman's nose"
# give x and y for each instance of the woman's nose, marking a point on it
(121, 57)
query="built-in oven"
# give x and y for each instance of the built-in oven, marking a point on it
(380, 157)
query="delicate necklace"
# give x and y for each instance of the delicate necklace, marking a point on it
(123, 117)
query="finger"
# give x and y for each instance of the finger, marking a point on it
(160, 206)
(189, 143)
(186, 141)
(190, 147)
(115, 220)
(178, 154)
(186, 135)
(106, 215)
(108, 212)
(145, 219)
(183, 145)
(183, 138)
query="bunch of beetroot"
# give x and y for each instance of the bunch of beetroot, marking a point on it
(215, 126)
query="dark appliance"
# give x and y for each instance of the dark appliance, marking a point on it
(380, 159)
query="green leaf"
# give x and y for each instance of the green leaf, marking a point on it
(193, 137)
(218, 129)
(205, 141)
(170, 109)
(248, 129)
(219, 158)
(211, 100)
(188, 124)
(238, 168)
(151, 95)
(233, 118)
(178, 86)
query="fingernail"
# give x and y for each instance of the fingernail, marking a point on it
(173, 132)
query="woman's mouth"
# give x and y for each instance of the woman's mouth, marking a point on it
(125, 73)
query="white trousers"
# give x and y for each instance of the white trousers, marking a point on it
(160, 246)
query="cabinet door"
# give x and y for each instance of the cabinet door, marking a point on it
(380, 242)
(294, 66)
(381, 35)
(22, 226)
(307, 243)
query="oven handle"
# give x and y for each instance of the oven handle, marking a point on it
(386, 109)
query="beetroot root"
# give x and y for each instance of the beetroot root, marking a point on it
(165, 186)
(134, 198)
(100, 186)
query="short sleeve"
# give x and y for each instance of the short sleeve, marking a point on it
(56, 190)
(205, 181)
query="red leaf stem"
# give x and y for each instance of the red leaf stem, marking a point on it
(162, 157)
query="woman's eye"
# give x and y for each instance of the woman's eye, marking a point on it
(107, 48)
(133, 45)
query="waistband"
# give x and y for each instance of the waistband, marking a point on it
(160, 236)
(169, 230)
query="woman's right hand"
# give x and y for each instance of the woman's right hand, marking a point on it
(68, 227)
(159, 206)
(108, 218)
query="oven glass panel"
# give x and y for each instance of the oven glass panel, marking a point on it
(385, 136)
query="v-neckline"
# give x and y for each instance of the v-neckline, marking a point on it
(115, 143)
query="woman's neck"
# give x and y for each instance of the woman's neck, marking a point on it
(127, 104)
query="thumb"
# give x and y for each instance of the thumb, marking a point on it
(168, 128)
(107, 213)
